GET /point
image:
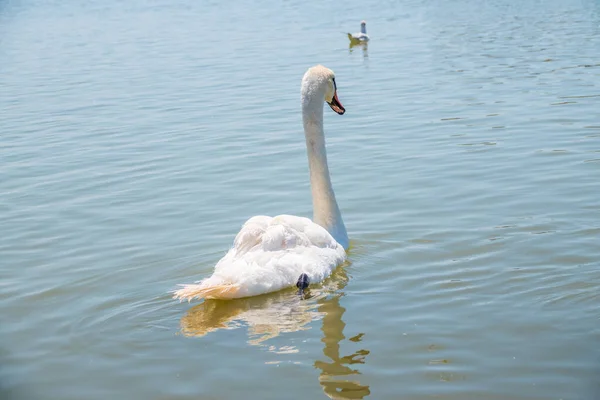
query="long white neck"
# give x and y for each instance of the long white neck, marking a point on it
(363, 29)
(325, 208)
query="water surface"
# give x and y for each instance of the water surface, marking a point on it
(137, 137)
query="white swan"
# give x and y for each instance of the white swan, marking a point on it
(361, 36)
(270, 254)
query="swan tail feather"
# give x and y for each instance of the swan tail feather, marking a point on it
(350, 36)
(203, 291)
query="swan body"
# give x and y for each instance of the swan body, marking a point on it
(360, 36)
(270, 253)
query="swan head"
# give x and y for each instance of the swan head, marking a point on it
(320, 81)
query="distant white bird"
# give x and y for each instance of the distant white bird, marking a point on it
(270, 254)
(361, 36)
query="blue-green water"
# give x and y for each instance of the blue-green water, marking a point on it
(137, 137)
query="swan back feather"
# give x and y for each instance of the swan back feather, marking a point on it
(268, 254)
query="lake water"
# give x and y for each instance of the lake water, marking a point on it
(137, 137)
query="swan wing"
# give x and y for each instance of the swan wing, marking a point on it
(269, 254)
(360, 37)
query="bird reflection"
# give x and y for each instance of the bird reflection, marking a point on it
(270, 315)
(363, 45)
(266, 316)
(339, 366)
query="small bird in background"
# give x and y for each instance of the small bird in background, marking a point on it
(360, 37)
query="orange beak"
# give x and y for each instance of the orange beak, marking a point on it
(336, 105)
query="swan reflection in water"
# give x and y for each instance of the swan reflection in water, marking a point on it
(270, 315)
(363, 45)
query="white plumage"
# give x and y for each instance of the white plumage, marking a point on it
(270, 253)
(360, 36)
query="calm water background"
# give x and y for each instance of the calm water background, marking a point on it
(137, 137)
